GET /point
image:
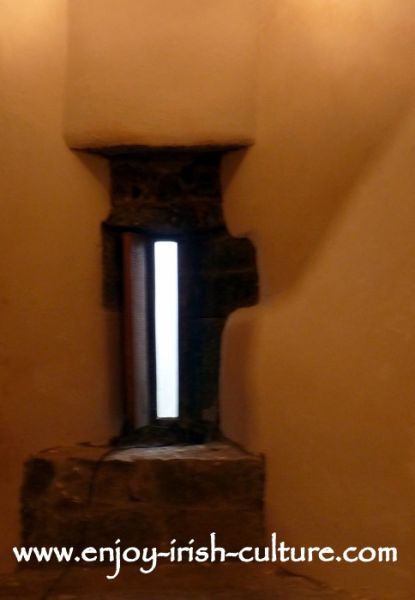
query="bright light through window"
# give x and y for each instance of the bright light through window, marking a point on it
(166, 325)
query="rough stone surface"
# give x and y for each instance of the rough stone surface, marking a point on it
(166, 193)
(200, 342)
(91, 496)
(181, 582)
(177, 196)
(144, 496)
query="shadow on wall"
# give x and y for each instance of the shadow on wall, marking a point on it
(285, 197)
(314, 152)
(98, 167)
(236, 384)
(335, 87)
(332, 93)
(298, 201)
(324, 384)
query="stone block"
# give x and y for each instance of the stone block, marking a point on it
(144, 496)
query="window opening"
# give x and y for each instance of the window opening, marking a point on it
(176, 274)
(166, 317)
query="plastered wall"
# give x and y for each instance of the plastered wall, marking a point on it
(90, 74)
(153, 72)
(320, 375)
(58, 357)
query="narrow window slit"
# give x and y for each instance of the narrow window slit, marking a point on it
(166, 311)
(178, 274)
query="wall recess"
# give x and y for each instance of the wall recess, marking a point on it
(173, 196)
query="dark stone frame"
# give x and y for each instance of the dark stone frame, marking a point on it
(176, 195)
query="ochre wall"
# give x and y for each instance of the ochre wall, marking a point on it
(320, 376)
(161, 73)
(57, 347)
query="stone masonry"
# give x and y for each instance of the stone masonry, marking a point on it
(91, 496)
(176, 195)
(144, 496)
